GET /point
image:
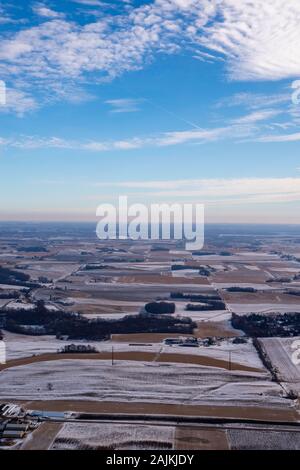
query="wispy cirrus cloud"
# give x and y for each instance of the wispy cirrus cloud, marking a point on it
(90, 3)
(124, 105)
(254, 101)
(213, 191)
(281, 138)
(234, 131)
(257, 116)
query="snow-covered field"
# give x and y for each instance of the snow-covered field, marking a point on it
(263, 308)
(18, 346)
(12, 287)
(189, 273)
(54, 270)
(226, 285)
(113, 436)
(136, 381)
(282, 354)
(208, 315)
(17, 305)
(211, 315)
(251, 267)
(244, 439)
(285, 270)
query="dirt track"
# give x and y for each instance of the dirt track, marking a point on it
(230, 411)
(42, 437)
(134, 356)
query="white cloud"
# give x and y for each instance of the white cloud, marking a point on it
(215, 191)
(45, 12)
(254, 100)
(281, 138)
(92, 3)
(258, 39)
(211, 192)
(168, 139)
(257, 116)
(160, 140)
(19, 102)
(124, 105)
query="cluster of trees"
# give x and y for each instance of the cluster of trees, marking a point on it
(241, 289)
(212, 305)
(78, 348)
(205, 271)
(160, 308)
(294, 292)
(159, 248)
(75, 326)
(8, 276)
(181, 267)
(203, 253)
(259, 326)
(10, 295)
(208, 301)
(32, 249)
(89, 267)
(202, 270)
(12, 277)
(286, 280)
(195, 297)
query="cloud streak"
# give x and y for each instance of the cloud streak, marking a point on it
(124, 105)
(213, 191)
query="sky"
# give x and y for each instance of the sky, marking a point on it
(165, 101)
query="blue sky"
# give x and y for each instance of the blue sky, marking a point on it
(164, 101)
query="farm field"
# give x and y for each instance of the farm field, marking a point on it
(137, 373)
(35, 349)
(243, 439)
(111, 436)
(281, 354)
(155, 382)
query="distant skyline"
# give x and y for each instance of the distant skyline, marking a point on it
(162, 101)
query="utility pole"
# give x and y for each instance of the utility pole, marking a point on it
(112, 355)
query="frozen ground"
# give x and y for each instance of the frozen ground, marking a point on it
(18, 346)
(208, 315)
(243, 439)
(13, 305)
(251, 267)
(128, 381)
(54, 270)
(211, 315)
(113, 436)
(12, 287)
(284, 358)
(226, 285)
(263, 308)
(17, 305)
